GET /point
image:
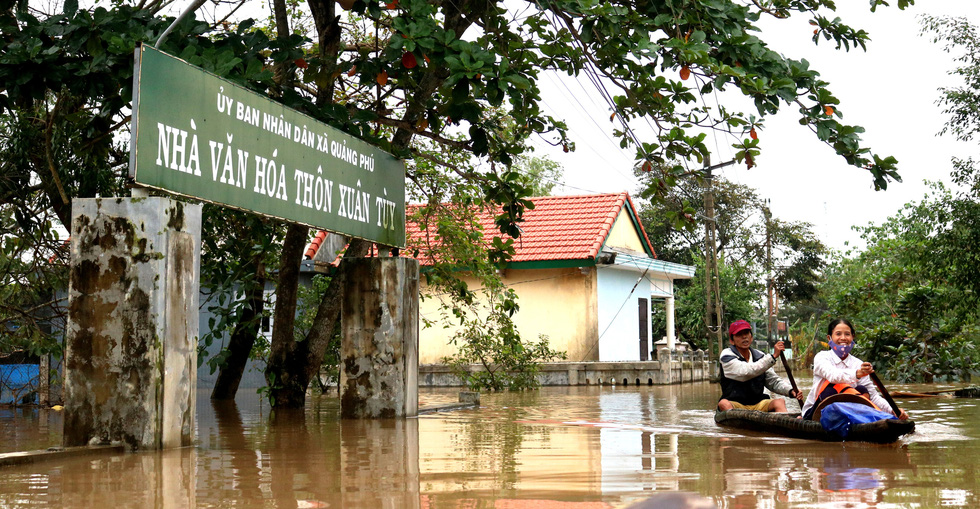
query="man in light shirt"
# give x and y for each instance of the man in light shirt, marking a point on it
(747, 372)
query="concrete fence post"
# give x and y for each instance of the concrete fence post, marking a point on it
(131, 338)
(379, 345)
(666, 365)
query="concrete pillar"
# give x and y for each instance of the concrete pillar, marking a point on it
(44, 382)
(379, 345)
(666, 365)
(131, 339)
(669, 311)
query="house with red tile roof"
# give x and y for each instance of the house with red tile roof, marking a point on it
(585, 274)
(584, 271)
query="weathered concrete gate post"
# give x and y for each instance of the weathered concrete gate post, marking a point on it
(379, 346)
(131, 343)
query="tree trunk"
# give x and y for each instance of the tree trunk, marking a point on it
(283, 373)
(293, 364)
(241, 342)
(288, 373)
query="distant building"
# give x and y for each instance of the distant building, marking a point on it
(586, 277)
(584, 271)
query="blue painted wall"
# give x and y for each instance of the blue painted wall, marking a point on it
(18, 381)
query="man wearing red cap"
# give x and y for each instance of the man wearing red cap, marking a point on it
(746, 373)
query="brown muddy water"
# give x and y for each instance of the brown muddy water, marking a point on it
(558, 447)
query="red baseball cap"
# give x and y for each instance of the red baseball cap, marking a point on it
(738, 326)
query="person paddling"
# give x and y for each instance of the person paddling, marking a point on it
(836, 371)
(747, 372)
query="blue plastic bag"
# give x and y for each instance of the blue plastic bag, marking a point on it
(839, 417)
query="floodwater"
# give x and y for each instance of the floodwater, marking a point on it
(559, 447)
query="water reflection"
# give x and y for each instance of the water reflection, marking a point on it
(577, 447)
(810, 475)
(239, 456)
(165, 480)
(28, 428)
(379, 463)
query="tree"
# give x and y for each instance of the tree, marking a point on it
(237, 249)
(454, 240)
(395, 73)
(912, 291)
(542, 174)
(743, 231)
(463, 77)
(960, 102)
(490, 340)
(740, 295)
(65, 88)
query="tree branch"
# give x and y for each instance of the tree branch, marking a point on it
(224, 19)
(456, 169)
(48, 153)
(111, 130)
(402, 124)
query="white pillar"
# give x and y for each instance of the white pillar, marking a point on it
(669, 304)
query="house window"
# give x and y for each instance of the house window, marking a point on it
(270, 307)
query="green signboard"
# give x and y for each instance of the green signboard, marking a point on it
(198, 135)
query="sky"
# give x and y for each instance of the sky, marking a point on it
(891, 90)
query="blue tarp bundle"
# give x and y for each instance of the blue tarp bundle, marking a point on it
(18, 381)
(839, 417)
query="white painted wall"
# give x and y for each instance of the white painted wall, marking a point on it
(618, 319)
(619, 326)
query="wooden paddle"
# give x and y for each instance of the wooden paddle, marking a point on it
(903, 394)
(884, 394)
(789, 374)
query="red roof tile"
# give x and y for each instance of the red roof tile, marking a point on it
(558, 228)
(315, 244)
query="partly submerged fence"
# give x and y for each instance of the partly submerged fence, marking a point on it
(19, 383)
(671, 367)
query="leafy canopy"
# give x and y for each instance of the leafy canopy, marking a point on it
(449, 73)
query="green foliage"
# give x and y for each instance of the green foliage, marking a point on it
(236, 249)
(912, 291)
(65, 93)
(806, 337)
(958, 36)
(541, 174)
(31, 312)
(740, 295)
(486, 333)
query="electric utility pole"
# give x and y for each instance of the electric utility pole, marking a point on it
(769, 283)
(713, 316)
